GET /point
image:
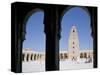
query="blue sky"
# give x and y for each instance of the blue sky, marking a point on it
(35, 36)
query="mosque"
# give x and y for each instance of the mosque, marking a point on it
(73, 53)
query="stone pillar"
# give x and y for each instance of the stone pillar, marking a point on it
(33, 57)
(52, 38)
(93, 14)
(94, 22)
(25, 57)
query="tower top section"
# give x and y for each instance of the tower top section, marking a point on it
(73, 26)
(74, 29)
(73, 35)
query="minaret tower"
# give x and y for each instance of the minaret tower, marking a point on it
(73, 44)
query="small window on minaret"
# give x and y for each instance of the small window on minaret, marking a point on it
(73, 42)
(73, 47)
(73, 30)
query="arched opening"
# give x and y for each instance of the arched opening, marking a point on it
(31, 56)
(34, 39)
(85, 55)
(81, 55)
(65, 55)
(35, 57)
(75, 34)
(61, 56)
(27, 58)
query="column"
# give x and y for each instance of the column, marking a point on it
(52, 38)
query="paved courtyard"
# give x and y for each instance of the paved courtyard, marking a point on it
(36, 66)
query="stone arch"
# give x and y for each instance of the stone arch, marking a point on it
(85, 55)
(65, 56)
(31, 58)
(27, 58)
(35, 57)
(28, 15)
(86, 9)
(81, 55)
(66, 9)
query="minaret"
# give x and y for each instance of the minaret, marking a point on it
(73, 44)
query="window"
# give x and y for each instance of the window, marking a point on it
(73, 30)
